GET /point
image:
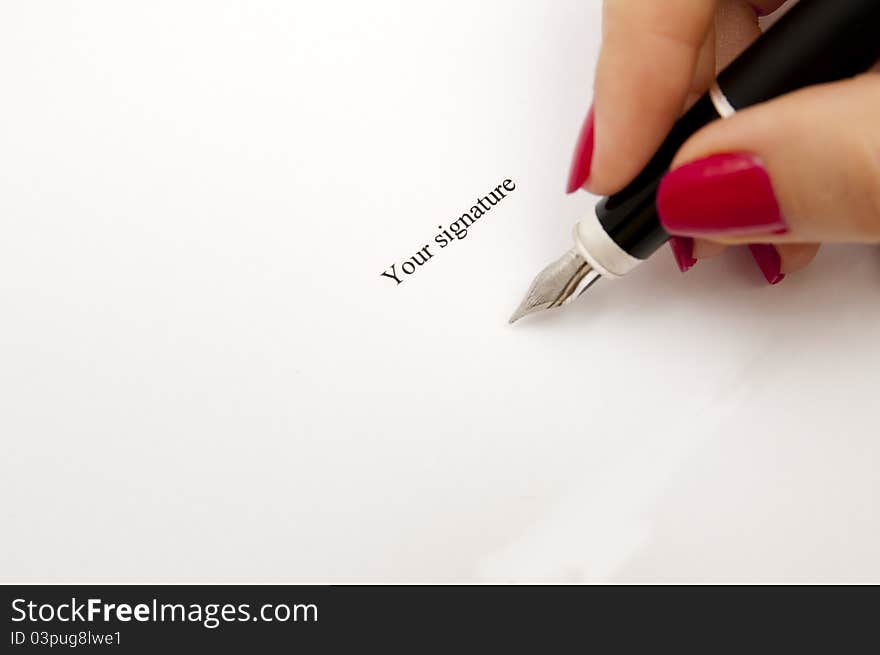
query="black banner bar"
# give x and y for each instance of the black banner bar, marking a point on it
(155, 619)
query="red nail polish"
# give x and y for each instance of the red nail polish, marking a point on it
(683, 250)
(583, 156)
(726, 194)
(768, 260)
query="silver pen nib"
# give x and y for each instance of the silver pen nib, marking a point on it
(558, 284)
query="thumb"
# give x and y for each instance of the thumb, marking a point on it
(801, 168)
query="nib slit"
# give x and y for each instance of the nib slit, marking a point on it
(556, 285)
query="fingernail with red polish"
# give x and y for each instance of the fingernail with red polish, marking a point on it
(583, 156)
(683, 250)
(728, 194)
(768, 260)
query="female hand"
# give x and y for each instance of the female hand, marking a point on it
(781, 176)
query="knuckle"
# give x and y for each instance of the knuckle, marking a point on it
(874, 189)
(863, 165)
(867, 185)
(678, 23)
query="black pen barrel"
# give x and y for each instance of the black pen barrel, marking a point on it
(818, 41)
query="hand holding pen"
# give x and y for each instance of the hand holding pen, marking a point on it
(780, 152)
(807, 162)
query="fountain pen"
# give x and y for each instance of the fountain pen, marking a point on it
(817, 41)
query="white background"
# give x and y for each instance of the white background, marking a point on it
(203, 376)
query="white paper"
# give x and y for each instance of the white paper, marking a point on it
(205, 377)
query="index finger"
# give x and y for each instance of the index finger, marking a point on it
(646, 67)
